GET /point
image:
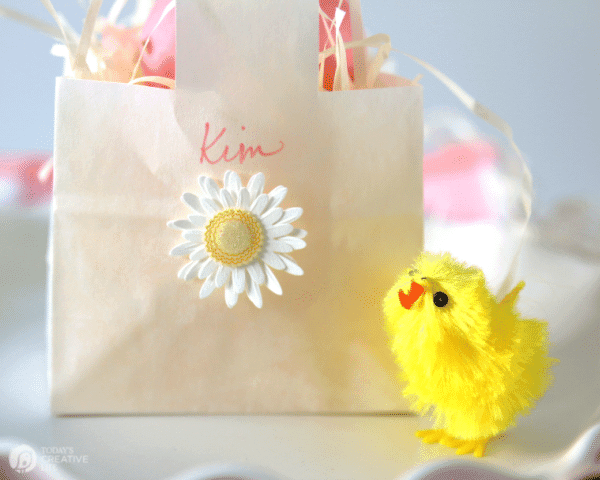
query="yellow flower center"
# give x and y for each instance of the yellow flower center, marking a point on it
(233, 237)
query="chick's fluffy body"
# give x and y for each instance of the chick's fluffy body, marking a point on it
(473, 363)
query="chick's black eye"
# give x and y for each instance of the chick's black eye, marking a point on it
(440, 299)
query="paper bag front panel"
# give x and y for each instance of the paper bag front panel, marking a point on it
(128, 336)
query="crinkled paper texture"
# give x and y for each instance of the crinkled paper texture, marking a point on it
(127, 335)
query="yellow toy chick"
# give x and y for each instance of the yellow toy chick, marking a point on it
(469, 360)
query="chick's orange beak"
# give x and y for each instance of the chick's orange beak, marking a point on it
(415, 292)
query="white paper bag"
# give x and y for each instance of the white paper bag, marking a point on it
(128, 335)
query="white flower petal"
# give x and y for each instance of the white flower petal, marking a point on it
(234, 184)
(193, 202)
(197, 220)
(258, 206)
(193, 235)
(180, 224)
(211, 188)
(293, 242)
(227, 186)
(272, 282)
(188, 267)
(279, 246)
(272, 260)
(254, 293)
(226, 178)
(208, 286)
(223, 273)
(183, 270)
(298, 233)
(209, 206)
(199, 254)
(243, 200)
(256, 184)
(276, 196)
(291, 267)
(291, 214)
(256, 272)
(279, 230)
(201, 179)
(183, 249)
(270, 217)
(239, 279)
(192, 272)
(231, 297)
(207, 268)
(226, 199)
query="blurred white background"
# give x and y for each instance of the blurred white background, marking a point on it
(534, 62)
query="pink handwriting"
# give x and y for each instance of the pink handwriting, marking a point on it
(242, 152)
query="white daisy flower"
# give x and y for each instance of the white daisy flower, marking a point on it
(236, 235)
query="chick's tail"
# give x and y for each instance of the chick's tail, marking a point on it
(532, 358)
(512, 296)
(531, 347)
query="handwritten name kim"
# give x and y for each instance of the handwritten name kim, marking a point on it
(211, 148)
